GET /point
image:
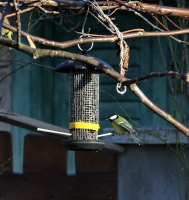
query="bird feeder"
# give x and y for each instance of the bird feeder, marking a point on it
(83, 105)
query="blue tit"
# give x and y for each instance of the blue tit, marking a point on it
(4, 31)
(122, 126)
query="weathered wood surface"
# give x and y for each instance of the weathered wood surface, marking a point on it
(5, 152)
(96, 162)
(59, 187)
(44, 154)
(30, 124)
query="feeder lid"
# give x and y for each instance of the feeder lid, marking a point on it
(68, 65)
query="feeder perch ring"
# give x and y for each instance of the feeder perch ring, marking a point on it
(86, 49)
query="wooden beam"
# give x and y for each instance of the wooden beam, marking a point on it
(33, 124)
(113, 148)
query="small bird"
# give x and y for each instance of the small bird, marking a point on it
(6, 32)
(122, 126)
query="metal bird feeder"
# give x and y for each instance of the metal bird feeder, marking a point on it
(83, 105)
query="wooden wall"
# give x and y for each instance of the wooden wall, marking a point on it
(58, 187)
(5, 152)
(45, 165)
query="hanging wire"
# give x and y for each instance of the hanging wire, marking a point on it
(83, 32)
(84, 22)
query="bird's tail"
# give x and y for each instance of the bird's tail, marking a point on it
(135, 139)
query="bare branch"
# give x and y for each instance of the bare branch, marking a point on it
(159, 22)
(172, 22)
(157, 74)
(105, 38)
(158, 111)
(157, 9)
(109, 5)
(155, 27)
(20, 12)
(39, 53)
(18, 23)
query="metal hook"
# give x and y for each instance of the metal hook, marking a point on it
(85, 49)
(119, 90)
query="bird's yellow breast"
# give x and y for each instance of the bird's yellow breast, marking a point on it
(120, 130)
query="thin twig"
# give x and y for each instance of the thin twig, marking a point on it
(22, 66)
(47, 11)
(84, 21)
(155, 27)
(175, 25)
(101, 22)
(157, 20)
(158, 111)
(20, 12)
(105, 38)
(15, 70)
(157, 74)
(18, 23)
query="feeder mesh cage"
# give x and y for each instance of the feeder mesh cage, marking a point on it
(84, 102)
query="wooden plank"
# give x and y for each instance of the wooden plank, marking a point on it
(113, 148)
(30, 124)
(44, 154)
(40, 187)
(5, 152)
(95, 162)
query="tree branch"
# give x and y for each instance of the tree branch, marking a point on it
(39, 53)
(158, 111)
(108, 5)
(104, 38)
(18, 23)
(157, 74)
(157, 9)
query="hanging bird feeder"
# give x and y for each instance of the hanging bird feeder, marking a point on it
(84, 105)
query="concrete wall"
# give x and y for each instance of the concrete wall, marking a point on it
(152, 171)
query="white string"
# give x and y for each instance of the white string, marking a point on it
(123, 47)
